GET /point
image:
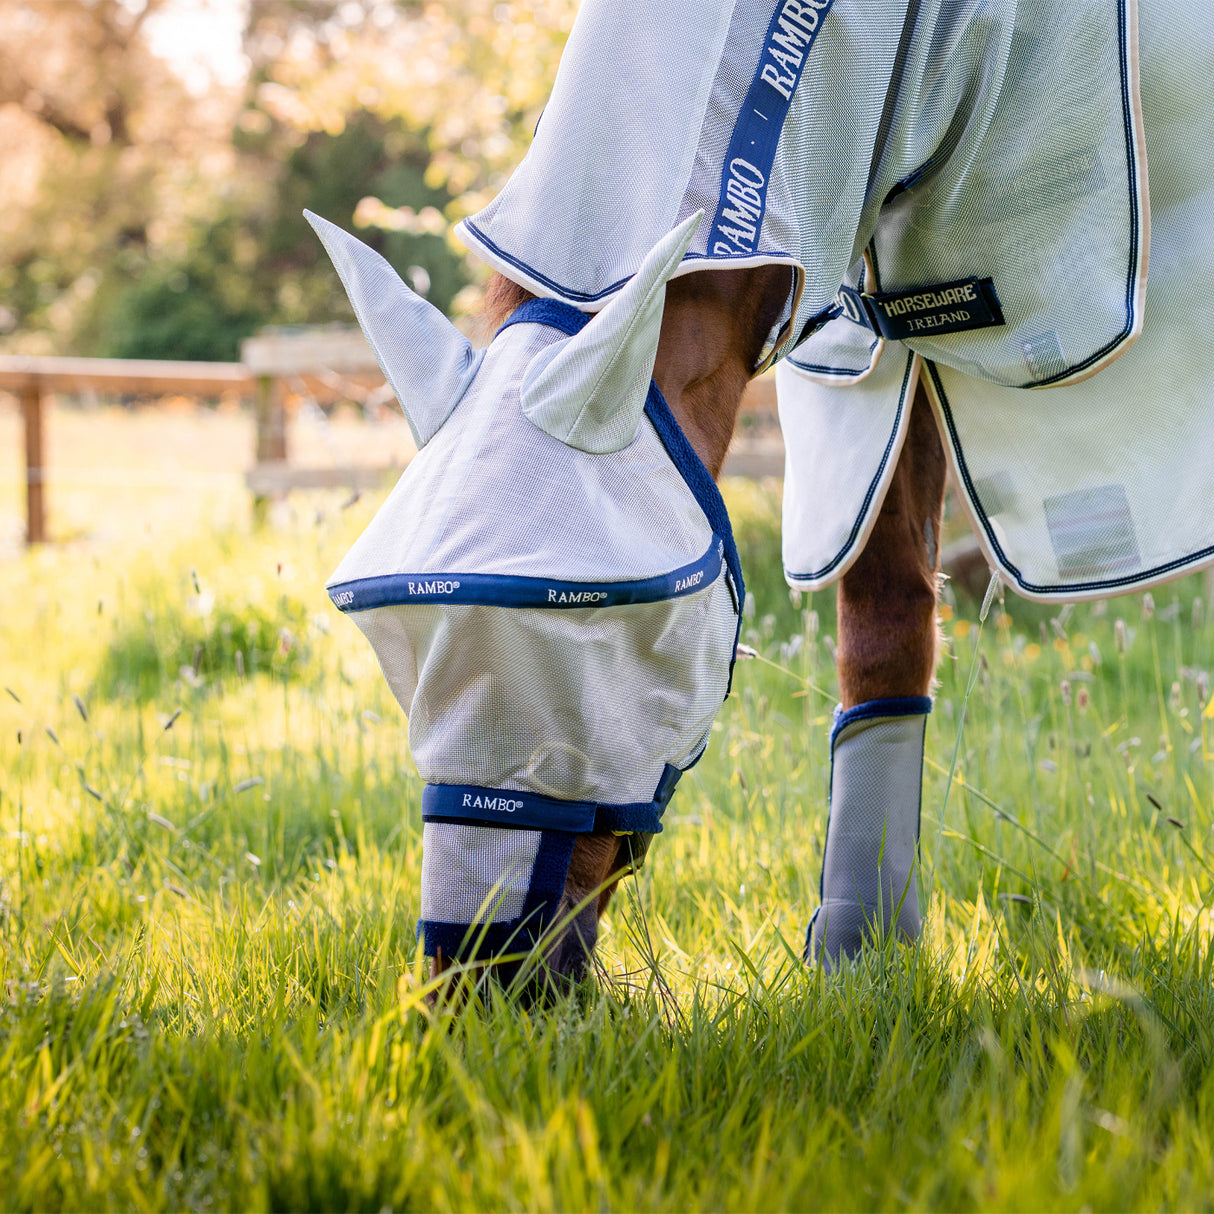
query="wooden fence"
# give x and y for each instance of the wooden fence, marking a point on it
(270, 365)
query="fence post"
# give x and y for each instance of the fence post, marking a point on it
(35, 463)
(271, 435)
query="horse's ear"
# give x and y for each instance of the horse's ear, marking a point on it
(590, 391)
(426, 359)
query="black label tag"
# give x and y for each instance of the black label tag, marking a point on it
(950, 307)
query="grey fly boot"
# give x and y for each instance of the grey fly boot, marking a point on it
(872, 835)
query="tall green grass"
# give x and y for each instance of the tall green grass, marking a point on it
(212, 994)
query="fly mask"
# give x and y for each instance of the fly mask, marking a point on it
(552, 589)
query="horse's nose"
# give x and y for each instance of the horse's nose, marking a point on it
(562, 957)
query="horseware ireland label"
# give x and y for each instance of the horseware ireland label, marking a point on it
(950, 307)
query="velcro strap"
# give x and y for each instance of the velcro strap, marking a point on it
(949, 307)
(510, 808)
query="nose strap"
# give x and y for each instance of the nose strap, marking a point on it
(495, 861)
(514, 810)
(872, 834)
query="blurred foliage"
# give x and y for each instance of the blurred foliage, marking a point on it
(138, 219)
(197, 632)
(258, 262)
(184, 642)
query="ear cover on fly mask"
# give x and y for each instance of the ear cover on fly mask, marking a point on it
(872, 836)
(425, 358)
(590, 391)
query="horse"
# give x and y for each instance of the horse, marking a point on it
(880, 199)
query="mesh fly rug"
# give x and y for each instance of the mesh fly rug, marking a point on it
(961, 189)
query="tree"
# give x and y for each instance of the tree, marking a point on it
(105, 154)
(473, 74)
(258, 262)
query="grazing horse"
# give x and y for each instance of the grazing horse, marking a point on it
(918, 209)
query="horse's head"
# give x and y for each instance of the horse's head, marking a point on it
(553, 594)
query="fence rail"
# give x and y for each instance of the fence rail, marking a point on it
(757, 452)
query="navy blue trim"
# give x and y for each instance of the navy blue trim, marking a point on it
(841, 372)
(1060, 588)
(478, 941)
(911, 180)
(1127, 116)
(704, 489)
(746, 167)
(514, 809)
(588, 297)
(510, 590)
(898, 706)
(826, 369)
(1135, 238)
(464, 942)
(698, 479)
(817, 321)
(505, 807)
(834, 563)
(550, 283)
(554, 313)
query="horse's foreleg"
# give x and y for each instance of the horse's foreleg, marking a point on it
(887, 659)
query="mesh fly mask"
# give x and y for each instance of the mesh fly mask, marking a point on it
(552, 589)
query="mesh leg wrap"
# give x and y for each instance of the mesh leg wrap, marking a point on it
(872, 836)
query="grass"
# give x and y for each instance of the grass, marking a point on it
(213, 999)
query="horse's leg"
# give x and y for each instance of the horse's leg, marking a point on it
(887, 659)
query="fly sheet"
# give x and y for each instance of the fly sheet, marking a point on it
(961, 190)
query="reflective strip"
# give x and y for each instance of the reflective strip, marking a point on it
(504, 590)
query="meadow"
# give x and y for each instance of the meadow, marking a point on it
(213, 998)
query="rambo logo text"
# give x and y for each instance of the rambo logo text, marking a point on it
(752, 147)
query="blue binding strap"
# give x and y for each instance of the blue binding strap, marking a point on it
(746, 170)
(467, 941)
(899, 706)
(510, 590)
(514, 809)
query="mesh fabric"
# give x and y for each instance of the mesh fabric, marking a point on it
(927, 133)
(583, 704)
(872, 836)
(1084, 490)
(475, 874)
